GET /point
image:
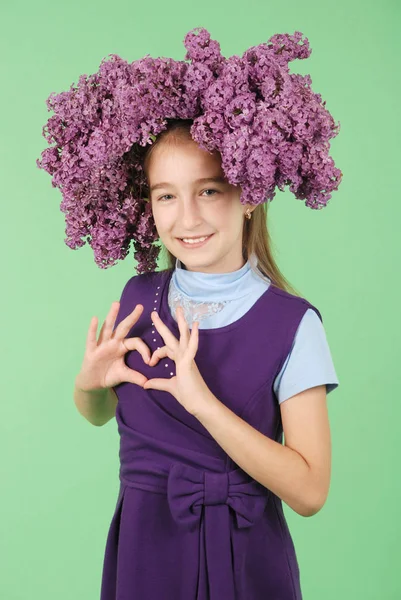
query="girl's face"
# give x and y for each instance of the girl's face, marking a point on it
(182, 206)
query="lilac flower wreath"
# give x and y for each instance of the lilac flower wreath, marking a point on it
(269, 127)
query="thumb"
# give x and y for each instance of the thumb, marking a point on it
(156, 384)
(133, 376)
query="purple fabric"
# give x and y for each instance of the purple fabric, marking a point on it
(189, 524)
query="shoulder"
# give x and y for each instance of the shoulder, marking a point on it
(297, 304)
(145, 280)
(309, 362)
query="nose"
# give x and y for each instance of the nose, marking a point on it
(190, 215)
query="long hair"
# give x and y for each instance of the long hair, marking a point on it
(255, 234)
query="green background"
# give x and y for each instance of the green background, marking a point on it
(59, 474)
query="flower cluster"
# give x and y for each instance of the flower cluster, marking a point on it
(270, 128)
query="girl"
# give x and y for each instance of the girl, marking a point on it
(207, 363)
(227, 362)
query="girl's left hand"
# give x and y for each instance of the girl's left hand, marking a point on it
(188, 385)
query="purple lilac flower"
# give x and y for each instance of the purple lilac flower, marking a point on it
(270, 128)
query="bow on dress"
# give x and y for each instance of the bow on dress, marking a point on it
(188, 490)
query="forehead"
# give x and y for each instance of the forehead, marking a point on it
(183, 160)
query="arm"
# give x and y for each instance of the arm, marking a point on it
(299, 471)
(98, 407)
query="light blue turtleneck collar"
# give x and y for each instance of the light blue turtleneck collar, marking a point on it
(201, 286)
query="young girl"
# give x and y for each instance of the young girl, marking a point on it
(206, 364)
(203, 470)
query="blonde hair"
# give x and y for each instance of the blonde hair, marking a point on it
(255, 238)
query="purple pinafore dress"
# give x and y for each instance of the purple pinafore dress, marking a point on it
(189, 524)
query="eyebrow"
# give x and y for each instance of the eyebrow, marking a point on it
(216, 179)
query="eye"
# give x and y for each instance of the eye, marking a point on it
(211, 190)
(208, 190)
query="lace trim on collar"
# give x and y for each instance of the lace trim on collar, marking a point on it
(193, 310)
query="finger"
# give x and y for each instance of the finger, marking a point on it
(126, 324)
(158, 384)
(132, 376)
(107, 327)
(101, 334)
(164, 331)
(183, 326)
(194, 339)
(136, 343)
(161, 352)
(91, 342)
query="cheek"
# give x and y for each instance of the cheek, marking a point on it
(226, 215)
(164, 219)
(221, 210)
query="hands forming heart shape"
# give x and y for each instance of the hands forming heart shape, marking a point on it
(104, 365)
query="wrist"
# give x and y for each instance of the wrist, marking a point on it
(206, 406)
(80, 386)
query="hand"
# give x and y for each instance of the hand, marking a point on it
(188, 385)
(103, 364)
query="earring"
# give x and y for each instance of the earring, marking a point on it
(248, 213)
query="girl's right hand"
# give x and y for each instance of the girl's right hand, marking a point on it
(103, 365)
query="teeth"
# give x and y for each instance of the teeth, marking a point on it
(195, 241)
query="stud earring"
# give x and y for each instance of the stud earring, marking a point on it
(248, 213)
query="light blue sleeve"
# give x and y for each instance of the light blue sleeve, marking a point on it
(309, 362)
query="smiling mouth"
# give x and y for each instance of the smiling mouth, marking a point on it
(194, 244)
